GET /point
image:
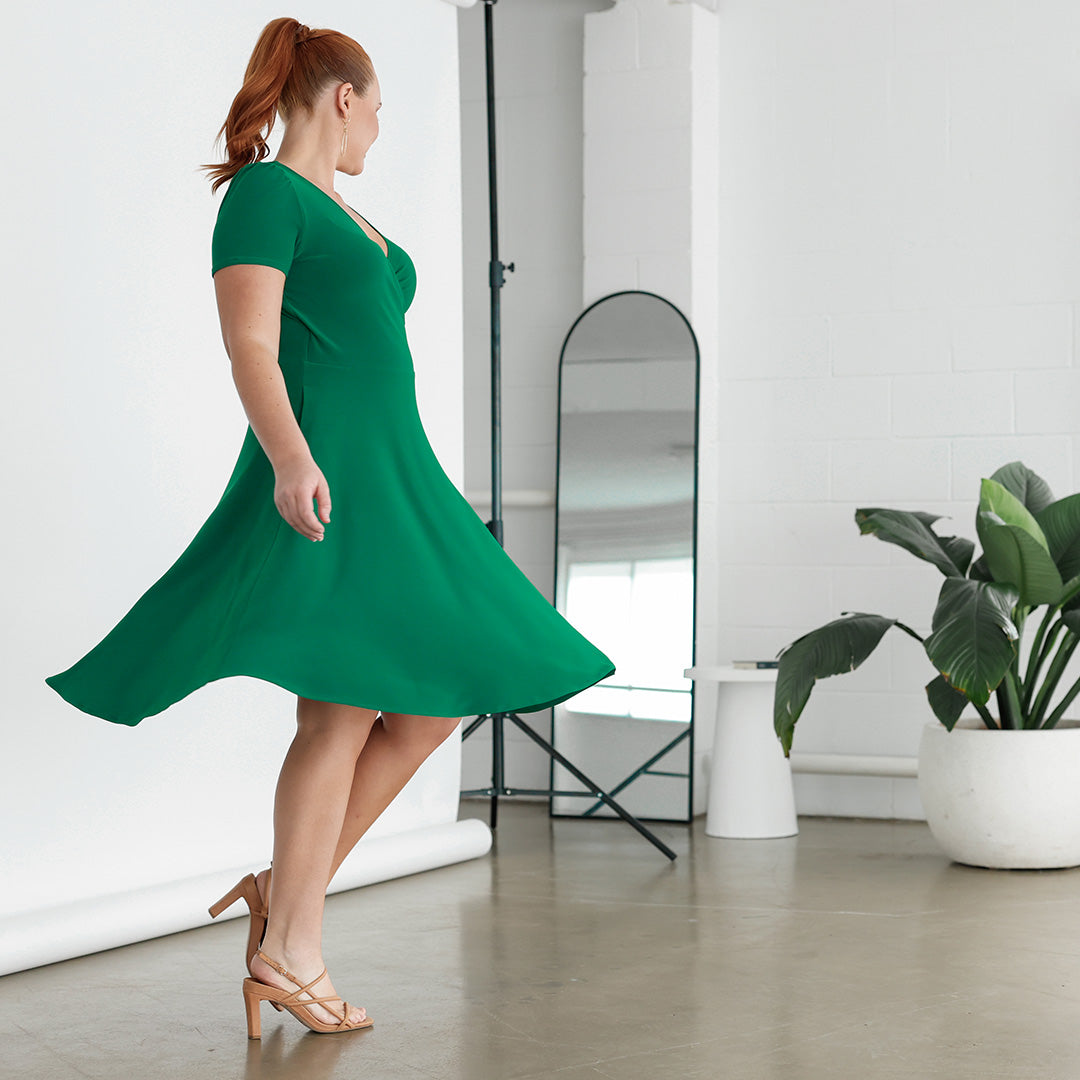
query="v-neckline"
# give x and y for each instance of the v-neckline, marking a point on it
(385, 254)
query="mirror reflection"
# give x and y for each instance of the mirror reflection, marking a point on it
(626, 496)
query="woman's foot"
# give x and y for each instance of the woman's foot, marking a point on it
(305, 969)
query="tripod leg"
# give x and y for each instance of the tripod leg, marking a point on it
(643, 768)
(473, 725)
(497, 750)
(625, 815)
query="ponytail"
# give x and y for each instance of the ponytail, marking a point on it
(289, 70)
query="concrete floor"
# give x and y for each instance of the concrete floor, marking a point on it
(576, 950)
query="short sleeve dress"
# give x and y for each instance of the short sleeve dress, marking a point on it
(408, 604)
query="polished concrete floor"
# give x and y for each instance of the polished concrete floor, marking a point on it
(576, 950)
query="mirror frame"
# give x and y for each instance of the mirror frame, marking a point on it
(694, 540)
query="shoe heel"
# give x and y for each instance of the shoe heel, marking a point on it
(227, 900)
(254, 1021)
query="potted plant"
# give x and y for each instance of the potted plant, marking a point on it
(1001, 788)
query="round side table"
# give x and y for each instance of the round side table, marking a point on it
(750, 790)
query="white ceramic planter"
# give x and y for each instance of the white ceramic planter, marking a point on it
(1003, 799)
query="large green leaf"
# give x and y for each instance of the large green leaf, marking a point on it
(997, 499)
(839, 646)
(911, 531)
(1015, 546)
(1016, 558)
(1060, 522)
(1031, 489)
(924, 516)
(946, 701)
(959, 549)
(972, 642)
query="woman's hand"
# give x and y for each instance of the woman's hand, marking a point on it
(297, 482)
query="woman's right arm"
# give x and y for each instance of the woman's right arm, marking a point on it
(249, 306)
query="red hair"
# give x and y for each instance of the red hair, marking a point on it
(290, 68)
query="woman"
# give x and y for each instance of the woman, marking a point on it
(389, 622)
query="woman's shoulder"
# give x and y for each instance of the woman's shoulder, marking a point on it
(260, 219)
(265, 188)
(261, 175)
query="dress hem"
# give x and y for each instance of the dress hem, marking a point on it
(294, 687)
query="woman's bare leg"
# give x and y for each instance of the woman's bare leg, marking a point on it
(310, 805)
(398, 745)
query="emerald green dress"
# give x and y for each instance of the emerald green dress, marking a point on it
(408, 604)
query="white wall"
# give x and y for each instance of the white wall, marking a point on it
(899, 280)
(651, 180)
(122, 421)
(898, 207)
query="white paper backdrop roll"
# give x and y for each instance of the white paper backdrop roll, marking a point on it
(90, 925)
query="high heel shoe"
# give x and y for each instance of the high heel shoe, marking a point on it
(256, 991)
(248, 889)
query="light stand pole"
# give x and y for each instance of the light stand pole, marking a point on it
(496, 281)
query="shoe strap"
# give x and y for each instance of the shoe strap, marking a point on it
(265, 913)
(262, 912)
(281, 970)
(294, 996)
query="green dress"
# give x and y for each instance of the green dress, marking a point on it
(408, 604)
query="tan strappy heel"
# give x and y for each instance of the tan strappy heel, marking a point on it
(247, 889)
(256, 991)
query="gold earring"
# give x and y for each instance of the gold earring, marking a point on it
(344, 136)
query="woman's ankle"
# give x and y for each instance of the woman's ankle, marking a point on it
(291, 951)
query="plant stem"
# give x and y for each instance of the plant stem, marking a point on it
(987, 719)
(1053, 676)
(908, 630)
(1040, 650)
(1066, 701)
(1011, 680)
(1004, 705)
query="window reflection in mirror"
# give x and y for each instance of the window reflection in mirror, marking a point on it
(643, 611)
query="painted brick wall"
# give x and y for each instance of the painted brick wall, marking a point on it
(899, 235)
(899, 213)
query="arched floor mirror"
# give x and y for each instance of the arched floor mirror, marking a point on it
(626, 553)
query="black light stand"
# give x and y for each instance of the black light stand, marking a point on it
(495, 525)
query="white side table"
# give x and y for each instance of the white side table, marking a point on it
(750, 791)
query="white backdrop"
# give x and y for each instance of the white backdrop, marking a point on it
(123, 424)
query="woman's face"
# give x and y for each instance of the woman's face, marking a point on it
(363, 126)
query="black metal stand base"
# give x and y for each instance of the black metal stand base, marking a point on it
(499, 787)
